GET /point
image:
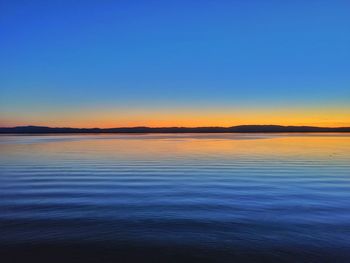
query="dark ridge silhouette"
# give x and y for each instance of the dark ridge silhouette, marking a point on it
(233, 129)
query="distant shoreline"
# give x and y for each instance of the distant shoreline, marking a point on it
(130, 130)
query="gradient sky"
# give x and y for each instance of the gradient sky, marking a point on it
(174, 63)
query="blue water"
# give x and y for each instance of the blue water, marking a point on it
(175, 198)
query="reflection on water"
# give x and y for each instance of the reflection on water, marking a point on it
(175, 198)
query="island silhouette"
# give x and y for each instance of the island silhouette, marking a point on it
(142, 129)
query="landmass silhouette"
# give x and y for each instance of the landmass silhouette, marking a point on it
(233, 129)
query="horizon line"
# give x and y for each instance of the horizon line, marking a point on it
(144, 129)
(170, 127)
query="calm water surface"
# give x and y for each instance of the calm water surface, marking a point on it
(175, 198)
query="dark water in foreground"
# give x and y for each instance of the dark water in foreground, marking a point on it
(175, 198)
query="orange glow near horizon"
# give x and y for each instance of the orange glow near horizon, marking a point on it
(108, 118)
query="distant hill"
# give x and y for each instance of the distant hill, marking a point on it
(233, 129)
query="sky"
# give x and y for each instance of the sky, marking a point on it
(174, 63)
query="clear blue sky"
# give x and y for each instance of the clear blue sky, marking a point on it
(132, 60)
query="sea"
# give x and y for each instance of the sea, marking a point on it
(280, 197)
